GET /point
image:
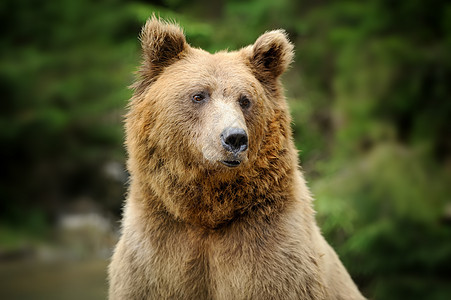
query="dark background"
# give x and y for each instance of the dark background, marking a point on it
(370, 97)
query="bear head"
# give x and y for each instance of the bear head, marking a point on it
(208, 133)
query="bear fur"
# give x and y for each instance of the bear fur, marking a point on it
(195, 227)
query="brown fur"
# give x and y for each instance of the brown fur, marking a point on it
(194, 228)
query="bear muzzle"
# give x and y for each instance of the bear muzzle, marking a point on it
(234, 140)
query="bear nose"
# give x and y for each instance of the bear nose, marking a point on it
(234, 140)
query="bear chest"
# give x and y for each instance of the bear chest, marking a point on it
(234, 269)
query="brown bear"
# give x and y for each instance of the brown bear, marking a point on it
(217, 206)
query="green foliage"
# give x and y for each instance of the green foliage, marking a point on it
(64, 74)
(369, 94)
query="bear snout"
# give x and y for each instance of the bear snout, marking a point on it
(234, 140)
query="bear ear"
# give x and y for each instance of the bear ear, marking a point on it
(271, 54)
(162, 44)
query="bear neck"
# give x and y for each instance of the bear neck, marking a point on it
(213, 201)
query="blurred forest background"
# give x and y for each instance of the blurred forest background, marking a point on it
(370, 95)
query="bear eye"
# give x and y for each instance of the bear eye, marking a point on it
(198, 97)
(244, 102)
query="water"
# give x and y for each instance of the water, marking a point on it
(58, 280)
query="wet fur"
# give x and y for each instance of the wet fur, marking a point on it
(194, 229)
